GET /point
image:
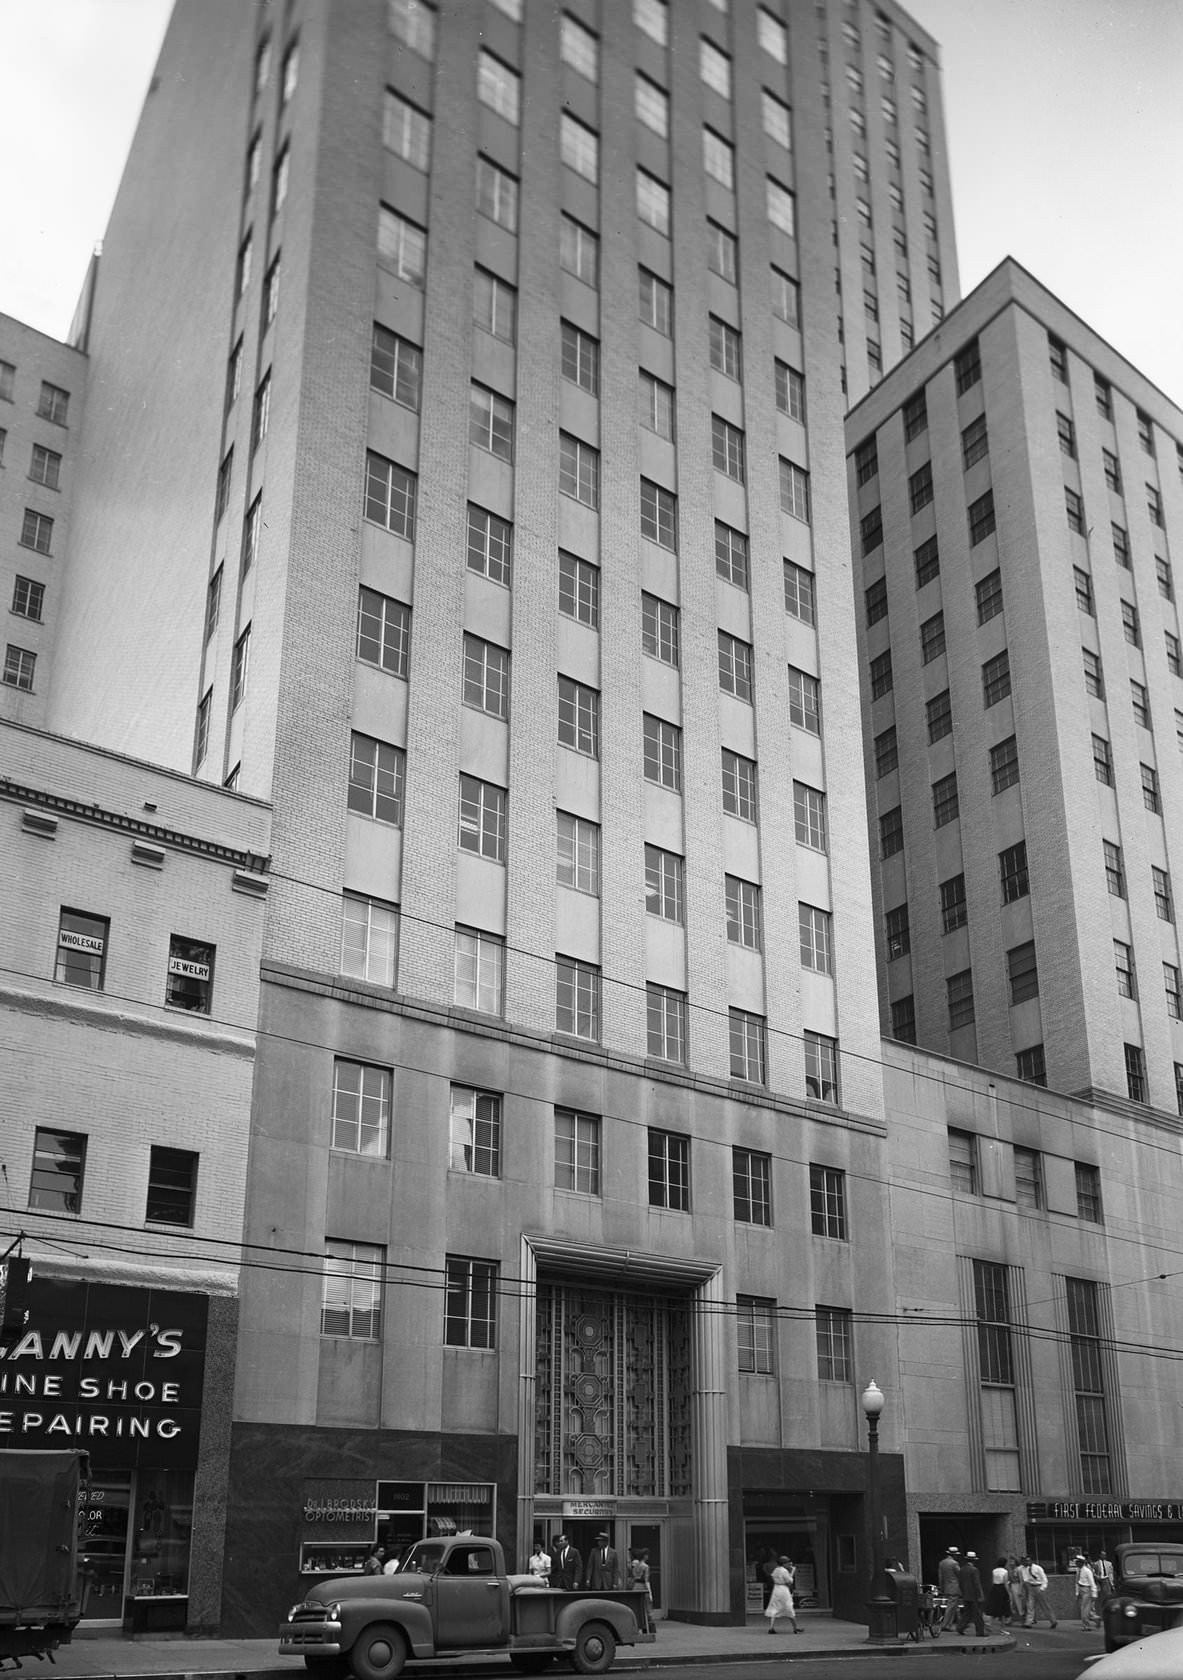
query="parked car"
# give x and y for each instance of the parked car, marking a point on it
(1147, 1592)
(1157, 1657)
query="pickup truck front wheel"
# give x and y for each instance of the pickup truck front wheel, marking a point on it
(378, 1653)
(595, 1649)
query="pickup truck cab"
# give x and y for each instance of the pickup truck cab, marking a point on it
(1147, 1592)
(452, 1598)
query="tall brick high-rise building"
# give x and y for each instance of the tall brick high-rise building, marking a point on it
(465, 475)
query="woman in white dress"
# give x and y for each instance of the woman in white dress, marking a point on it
(781, 1602)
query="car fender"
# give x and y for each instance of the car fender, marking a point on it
(619, 1618)
(413, 1619)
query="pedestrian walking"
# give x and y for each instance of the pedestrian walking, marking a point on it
(1017, 1588)
(1086, 1593)
(1103, 1570)
(781, 1601)
(947, 1586)
(969, 1589)
(998, 1604)
(638, 1571)
(1035, 1580)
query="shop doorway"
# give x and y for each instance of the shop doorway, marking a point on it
(103, 1521)
(804, 1537)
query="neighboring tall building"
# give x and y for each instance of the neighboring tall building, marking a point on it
(466, 476)
(1018, 488)
(131, 927)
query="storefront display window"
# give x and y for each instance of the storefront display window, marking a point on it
(343, 1519)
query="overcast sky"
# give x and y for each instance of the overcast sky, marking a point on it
(1065, 122)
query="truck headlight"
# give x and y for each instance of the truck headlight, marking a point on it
(1129, 1610)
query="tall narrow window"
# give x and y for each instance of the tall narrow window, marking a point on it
(669, 1170)
(470, 1303)
(59, 1164)
(1088, 1381)
(577, 1152)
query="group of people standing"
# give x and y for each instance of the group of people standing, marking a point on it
(565, 1568)
(1017, 1595)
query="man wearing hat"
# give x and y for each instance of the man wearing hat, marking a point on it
(969, 1586)
(603, 1566)
(948, 1585)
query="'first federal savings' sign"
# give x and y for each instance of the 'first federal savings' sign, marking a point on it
(117, 1371)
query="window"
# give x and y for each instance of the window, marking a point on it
(653, 202)
(498, 87)
(579, 48)
(996, 679)
(1012, 865)
(669, 1170)
(891, 832)
(975, 443)
(659, 514)
(967, 367)
(1094, 682)
(945, 806)
(1150, 797)
(932, 638)
(578, 856)
(794, 490)
(809, 816)
(1166, 587)
(655, 301)
(201, 733)
(172, 1187)
(59, 1164)
(1121, 546)
(827, 1202)
(960, 997)
(1088, 1192)
(1022, 973)
(1145, 431)
(28, 598)
(751, 1186)
(735, 666)
(45, 467)
(482, 819)
(739, 786)
(490, 422)
(714, 67)
(915, 412)
(351, 1305)
(903, 1020)
(981, 518)
(486, 677)
(782, 210)
(963, 1161)
(261, 412)
(835, 1344)
(53, 403)
(577, 1152)
(920, 490)
(361, 1109)
(748, 1048)
(579, 250)
(383, 632)
(772, 36)
(579, 470)
(580, 358)
(1028, 1178)
(663, 884)
(804, 701)
(376, 779)
(470, 1303)
(579, 590)
(390, 496)
(724, 344)
(1031, 1065)
(1114, 869)
(81, 957)
(1110, 464)
(953, 906)
(1163, 900)
(666, 1013)
(396, 367)
(1089, 1382)
(222, 495)
(866, 461)
(659, 629)
(1074, 507)
(579, 717)
(722, 252)
(190, 975)
(1104, 396)
(1004, 764)
(369, 939)
(577, 998)
(939, 713)
(816, 938)
(402, 246)
(244, 265)
(887, 755)
(1058, 357)
(662, 753)
(871, 536)
(1123, 964)
(7, 381)
(651, 105)
(821, 1067)
(478, 970)
(800, 601)
(1084, 591)
(775, 116)
(897, 936)
(19, 666)
(988, 594)
(490, 545)
(406, 130)
(755, 1329)
(36, 531)
(475, 1136)
(413, 23)
(881, 675)
(579, 147)
(1172, 978)
(786, 298)
(1140, 699)
(657, 405)
(927, 561)
(652, 18)
(731, 556)
(718, 159)
(742, 900)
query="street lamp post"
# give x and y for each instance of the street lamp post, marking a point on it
(881, 1617)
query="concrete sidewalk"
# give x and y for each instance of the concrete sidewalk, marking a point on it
(101, 1656)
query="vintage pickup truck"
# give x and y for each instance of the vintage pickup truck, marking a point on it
(453, 1598)
(1147, 1592)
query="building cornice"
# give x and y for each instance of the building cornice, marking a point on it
(100, 817)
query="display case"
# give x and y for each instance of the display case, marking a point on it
(333, 1557)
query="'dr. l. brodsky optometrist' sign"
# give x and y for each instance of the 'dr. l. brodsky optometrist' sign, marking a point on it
(115, 1370)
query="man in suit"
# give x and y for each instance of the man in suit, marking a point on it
(603, 1566)
(972, 1596)
(566, 1565)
